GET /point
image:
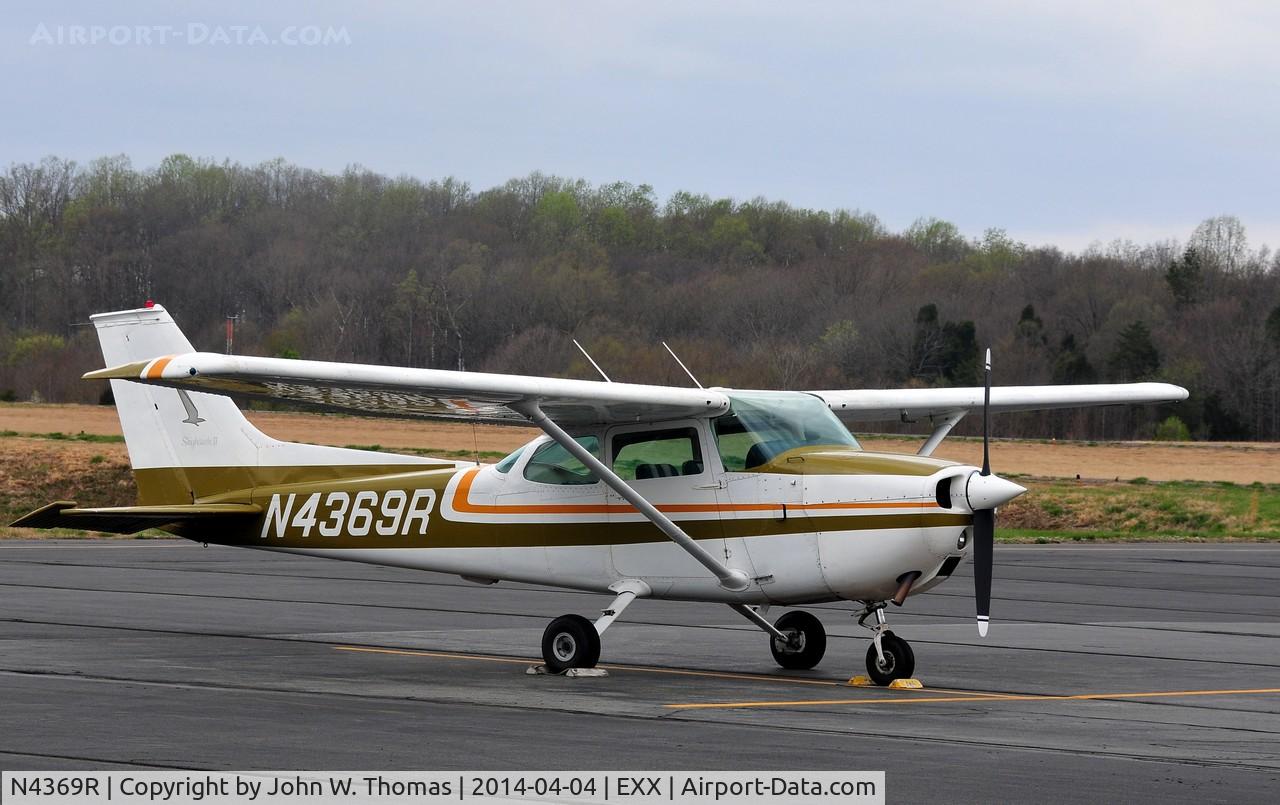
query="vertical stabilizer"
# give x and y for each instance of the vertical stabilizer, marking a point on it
(186, 445)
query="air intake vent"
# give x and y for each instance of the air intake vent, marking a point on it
(944, 492)
(948, 566)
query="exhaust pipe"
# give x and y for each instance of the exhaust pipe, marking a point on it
(904, 586)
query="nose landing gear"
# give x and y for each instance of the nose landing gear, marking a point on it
(889, 657)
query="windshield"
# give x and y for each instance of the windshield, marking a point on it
(759, 425)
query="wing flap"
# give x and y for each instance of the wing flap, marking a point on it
(132, 519)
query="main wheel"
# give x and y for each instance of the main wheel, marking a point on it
(808, 641)
(570, 641)
(899, 660)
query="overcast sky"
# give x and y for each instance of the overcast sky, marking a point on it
(1062, 123)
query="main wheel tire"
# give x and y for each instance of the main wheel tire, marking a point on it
(810, 641)
(570, 641)
(899, 660)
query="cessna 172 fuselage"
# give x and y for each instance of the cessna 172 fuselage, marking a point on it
(750, 498)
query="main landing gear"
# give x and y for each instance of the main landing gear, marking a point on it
(572, 641)
(799, 640)
(889, 657)
(805, 644)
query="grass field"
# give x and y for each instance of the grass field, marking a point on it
(1224, 491)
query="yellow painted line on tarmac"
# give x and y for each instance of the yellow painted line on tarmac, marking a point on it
(971, 698)
(439, 654)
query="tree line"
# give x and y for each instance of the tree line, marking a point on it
(363, 267)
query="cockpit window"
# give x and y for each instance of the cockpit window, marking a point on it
(552, 464)
(507, 463)
(760, 425)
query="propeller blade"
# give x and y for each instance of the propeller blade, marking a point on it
(984, 537)
(986, 419)
(984, 520)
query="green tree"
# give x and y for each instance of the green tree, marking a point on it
(1173, 429)
(1072, 364)
(1273, 327)
(732, 241)
(960, 353)
(944, 350)
(556, 218)
(940, 240)
(1135, 356)
(1030, 329)
(614, 229)
(408, 310)
(1184, 277)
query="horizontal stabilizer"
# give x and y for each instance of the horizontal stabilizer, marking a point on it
(132, 519)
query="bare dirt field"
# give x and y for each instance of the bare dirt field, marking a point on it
(1241, 463)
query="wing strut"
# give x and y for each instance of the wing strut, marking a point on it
(732, 580)
(940, 431)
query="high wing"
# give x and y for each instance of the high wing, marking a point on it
(879, 405)
(420, 393)
(946, 407)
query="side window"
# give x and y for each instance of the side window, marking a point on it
(507, 463)
(552, 464)
(657, 454)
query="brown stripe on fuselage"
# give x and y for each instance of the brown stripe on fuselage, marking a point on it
(258, 484)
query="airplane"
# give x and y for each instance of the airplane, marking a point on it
(750, 498)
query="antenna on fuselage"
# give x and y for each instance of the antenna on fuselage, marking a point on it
(682, 366)
(583, 350)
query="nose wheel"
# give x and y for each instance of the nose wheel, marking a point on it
(894, 660)
(889, 657)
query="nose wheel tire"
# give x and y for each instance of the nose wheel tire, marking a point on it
(570, 641)
(807, 644)
(899, 660)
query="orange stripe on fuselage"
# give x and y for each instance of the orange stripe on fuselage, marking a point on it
(462, 503)
(157, 368)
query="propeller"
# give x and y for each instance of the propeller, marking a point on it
(983, 492)
(984, 520)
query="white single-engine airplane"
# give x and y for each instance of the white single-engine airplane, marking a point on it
(747, 498)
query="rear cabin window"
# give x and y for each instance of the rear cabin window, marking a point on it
(657, 454)
(552, 464)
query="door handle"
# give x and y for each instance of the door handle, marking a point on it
(717, 485)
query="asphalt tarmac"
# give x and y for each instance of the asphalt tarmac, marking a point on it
(1111, 673)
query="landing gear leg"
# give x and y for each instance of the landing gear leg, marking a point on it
(572, 641)
(889, 657)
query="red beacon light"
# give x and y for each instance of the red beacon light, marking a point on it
(150, 303)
